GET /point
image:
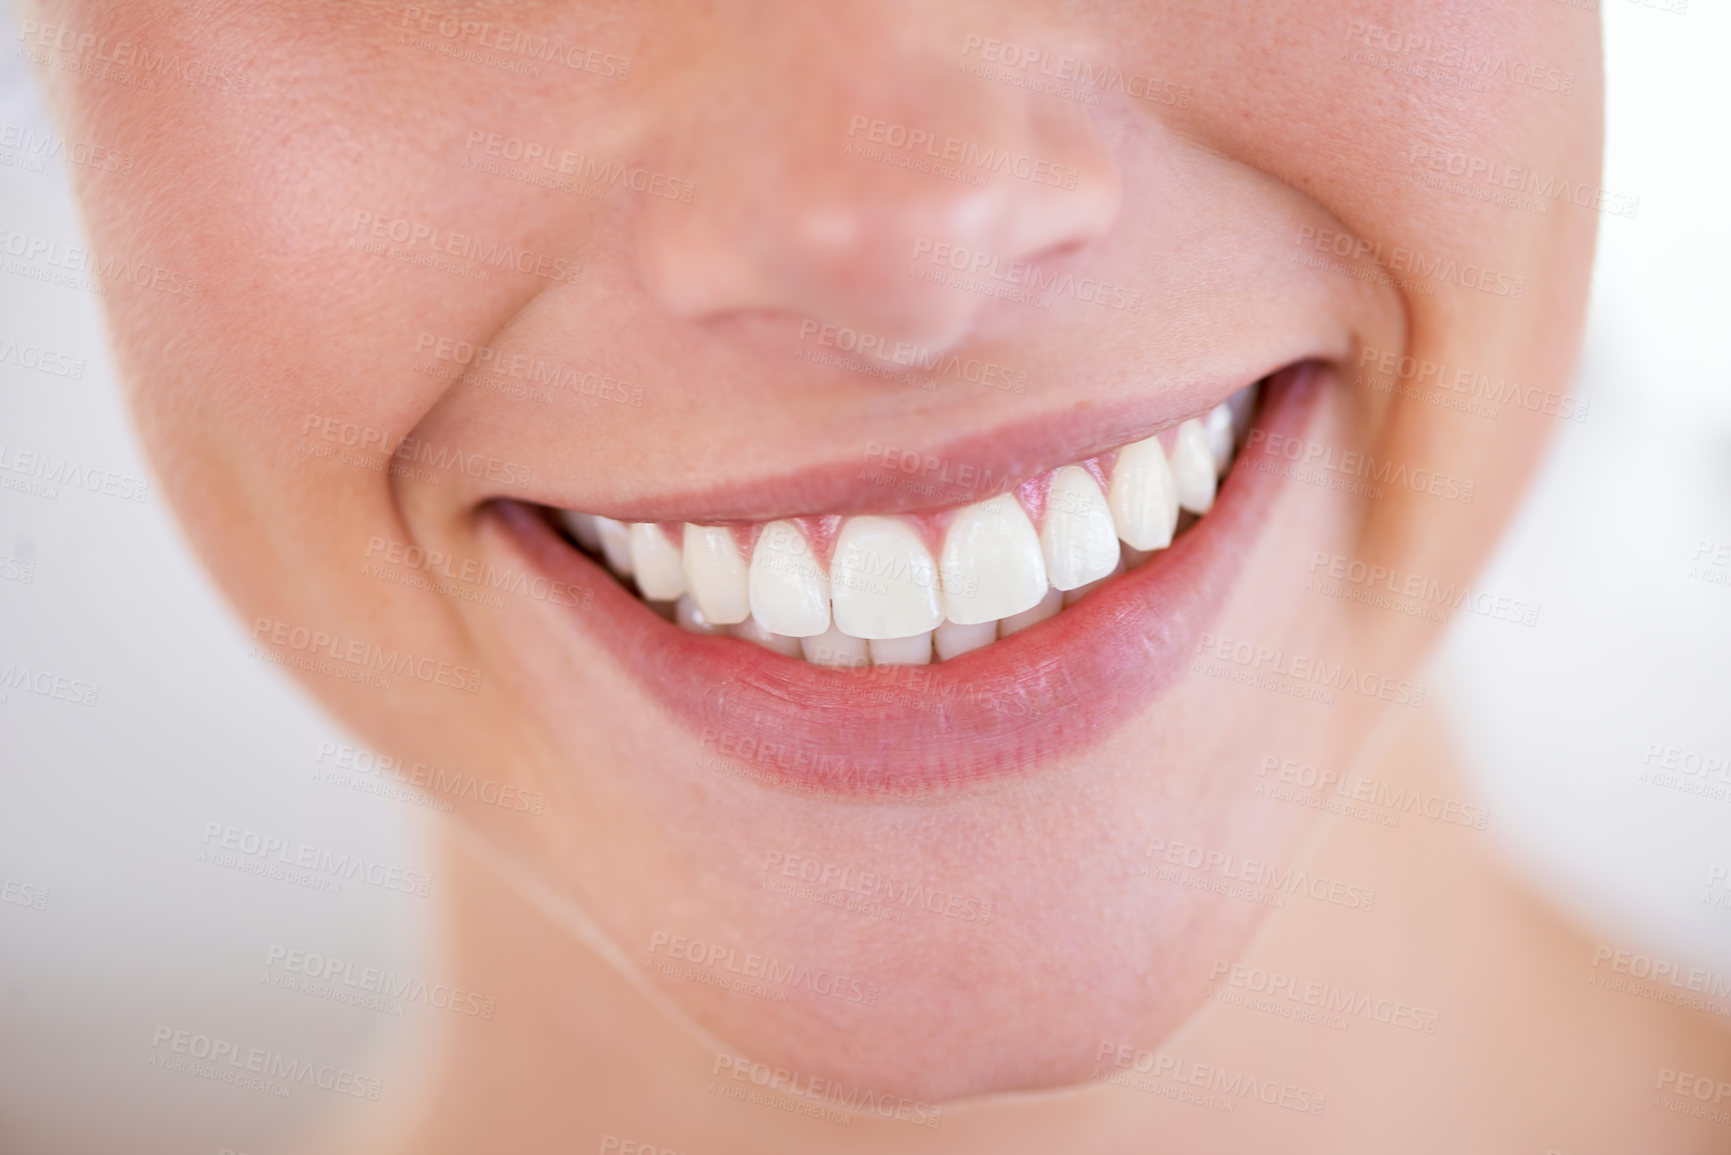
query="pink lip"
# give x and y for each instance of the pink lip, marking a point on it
(914, 730)
(915, 474)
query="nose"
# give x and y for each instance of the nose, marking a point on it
(845, 169)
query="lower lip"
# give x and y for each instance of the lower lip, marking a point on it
(908, 731)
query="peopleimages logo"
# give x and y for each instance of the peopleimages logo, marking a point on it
(582, 166)
(1328, 997)
(1071, 77)
(38, 146)
(484, 359)
(1329, 459)
(869, 347)
(966, 153)
(417, 235)
(225, 1061)
(1393, 800)
(1305, 669)
(457, 28)
(1543, 187)
(224, 843)
(46, 684)
(342, 981)
(1459, 58)
(52, 472)
(361, 657)
(124, 61)
(830, 1093)
(978, 266)
(1468, 383)
(41, 359)
(1402, 260)
(71, 267)
(1231, 1087)
(410, 450)
(435, 779)
(788, 976)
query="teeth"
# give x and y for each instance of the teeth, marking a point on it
(1039, 612)
(1143, 496)
(688, 616)
(834, 648)
(789, 590)
(1218, 426)
(1243, 406)
(1193, 468)
(883, 583)
(615, 544)
(1078, 540)
(914, 651)
(656, 563)
(716, 575)
(752, 631)
(992, 564)
(952, 640)
(582, 527)
(1071, 597)
(883, 599)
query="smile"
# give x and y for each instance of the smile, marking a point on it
(909, 589)
(875, 654)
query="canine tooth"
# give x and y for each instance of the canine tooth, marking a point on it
(656, 563)
(1039, 612)
(1143, 496)
(834, 648)
(1078, 540)
(953, 639)
(615, 544)
(1243, 406)
(580, 526)
(715, 574)
(914, 651)
(1071, 597)
(1217, 425)
(883, 583)
(752, 630)
(1193, 468)
(788, 589)
(689, 616)
(992, 566)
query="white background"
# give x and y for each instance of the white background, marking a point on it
(107, 806)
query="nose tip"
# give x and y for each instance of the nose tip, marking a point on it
(901, 255)
(839, 215)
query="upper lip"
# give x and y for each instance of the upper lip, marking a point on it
(1000, 709)
(946, 470)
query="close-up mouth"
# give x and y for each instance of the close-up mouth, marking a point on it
(1044, 613)
(893, 578)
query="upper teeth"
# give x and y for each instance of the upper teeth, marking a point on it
(1079, 541)
(789, 590)
(883, 582)
(883, 599)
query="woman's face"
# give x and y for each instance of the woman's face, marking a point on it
(416, 276)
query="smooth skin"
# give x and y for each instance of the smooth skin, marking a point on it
(1249, 144)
